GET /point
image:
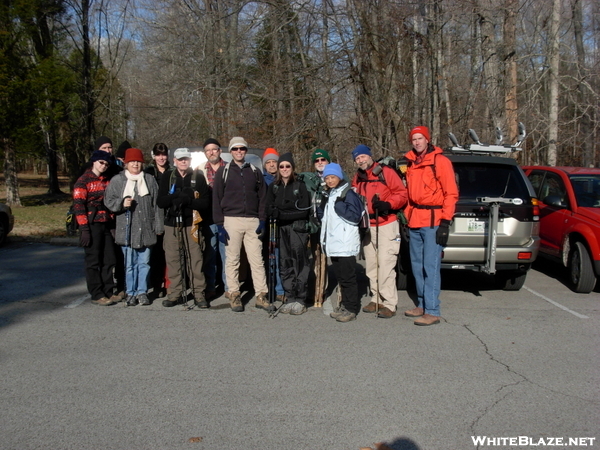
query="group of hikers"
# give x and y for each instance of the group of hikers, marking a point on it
(165, 228)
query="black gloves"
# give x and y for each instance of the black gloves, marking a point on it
(274, 212)
(442, 233)
(383, 208)
(261, 229)
(181, 200)
(85, 238)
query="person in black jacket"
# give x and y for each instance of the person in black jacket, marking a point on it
(158, 279)
(288, 202)
(184, 195)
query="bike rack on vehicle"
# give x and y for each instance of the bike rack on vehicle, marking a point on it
(492, 202)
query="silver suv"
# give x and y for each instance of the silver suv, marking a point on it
(496, 224)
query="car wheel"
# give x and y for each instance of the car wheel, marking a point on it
(581, 270)
(3, 229)
(511, 281)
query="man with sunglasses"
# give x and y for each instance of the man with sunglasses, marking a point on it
(239, 198)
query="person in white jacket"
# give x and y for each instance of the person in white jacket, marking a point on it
(342, 210)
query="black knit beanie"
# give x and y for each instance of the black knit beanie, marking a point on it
(122, 149)
(101, 141)
(289, 158)
(210, 141)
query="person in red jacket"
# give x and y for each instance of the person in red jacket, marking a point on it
(386, 195)
(432, 197)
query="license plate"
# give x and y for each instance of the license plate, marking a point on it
(476, 226)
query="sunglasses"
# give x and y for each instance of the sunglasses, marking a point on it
(287, 166)
(241, 149)
(103, 163)
(320, 160)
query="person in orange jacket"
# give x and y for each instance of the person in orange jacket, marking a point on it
(432, 197)
(386, 195)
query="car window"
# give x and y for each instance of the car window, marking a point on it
(553, 186)
(536, 177)
(490, 180)
(587, 190)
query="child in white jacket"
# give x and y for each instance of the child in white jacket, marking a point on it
(342, 210)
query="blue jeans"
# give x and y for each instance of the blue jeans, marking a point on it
(211, 238)
(137, 269)
(426, 259)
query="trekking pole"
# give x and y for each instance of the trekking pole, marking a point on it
(129, 261)
(377, 256)
(272, 265)
(182, 258)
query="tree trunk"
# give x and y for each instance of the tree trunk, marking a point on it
(510, 70)
(554, 58)
(10, 174)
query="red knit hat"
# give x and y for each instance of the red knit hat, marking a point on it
(269, 154)
(423, 130)
(133, 154)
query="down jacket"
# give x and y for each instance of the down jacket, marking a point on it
(392, 191)
(429, 187)
(339, 227)
(145, 218)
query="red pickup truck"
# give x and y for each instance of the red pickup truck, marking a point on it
(569, 201)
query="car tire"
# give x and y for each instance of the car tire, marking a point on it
(3, 230)
(581, 271)
(511, 281)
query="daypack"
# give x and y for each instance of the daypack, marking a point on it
(304, 225)
(71, 222)
(313, 184)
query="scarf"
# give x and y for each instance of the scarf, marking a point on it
(132, 180)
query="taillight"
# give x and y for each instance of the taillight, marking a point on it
(536, 209)
(524, 255)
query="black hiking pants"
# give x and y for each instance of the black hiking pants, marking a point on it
(294, 264)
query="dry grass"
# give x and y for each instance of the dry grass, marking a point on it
(41, 216)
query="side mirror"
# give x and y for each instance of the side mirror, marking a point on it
(554, 200)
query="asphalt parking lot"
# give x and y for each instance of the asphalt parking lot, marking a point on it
(500, 365)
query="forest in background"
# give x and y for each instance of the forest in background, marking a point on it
(295, 75)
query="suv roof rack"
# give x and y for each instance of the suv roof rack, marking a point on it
(479, 148)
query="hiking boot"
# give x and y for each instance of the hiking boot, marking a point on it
(235, 300)
(172, 301)
(210, 295)
(427, 320)
(415, 312)
(338, 312)
(227, 295)
(286, 308)
(386, 313)
(346, 316)
(297, 308)
(372, 307)
(131, 300)
(280, 298)
(143, 300)
(103, 301)
(201, 302)
(262, 302)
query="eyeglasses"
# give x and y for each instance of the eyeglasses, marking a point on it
(320, 160)
(287, 166)
(215, 149)
(241, 149)
(103, 163)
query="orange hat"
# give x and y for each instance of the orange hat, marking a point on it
(270, 154)
(133, 154)
(423, 130)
